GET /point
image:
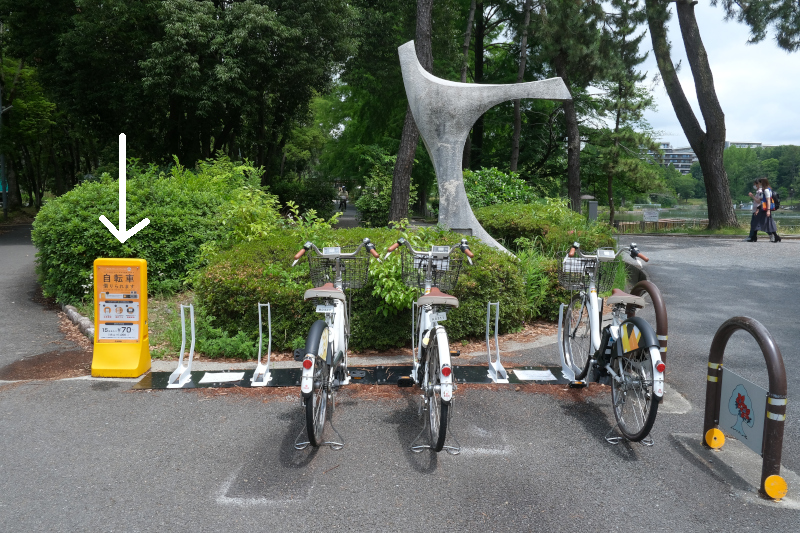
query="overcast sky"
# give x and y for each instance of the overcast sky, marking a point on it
(757, 85)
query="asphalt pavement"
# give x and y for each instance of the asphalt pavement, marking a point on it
(92, 455)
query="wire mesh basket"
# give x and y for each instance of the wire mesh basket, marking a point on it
(444, 272)
(354, 270)
(575, 272)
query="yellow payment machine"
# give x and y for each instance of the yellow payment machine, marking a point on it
(121, 342)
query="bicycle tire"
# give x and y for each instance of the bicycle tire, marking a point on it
(576, 335)
(438, 410)
(635, 405)
(317, 402)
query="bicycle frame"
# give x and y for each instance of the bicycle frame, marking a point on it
(428, 321)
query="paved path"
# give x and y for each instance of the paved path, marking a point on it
(27, 326)
(88, 455)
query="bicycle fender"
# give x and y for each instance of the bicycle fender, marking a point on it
(444, 359)
(312, 352)
(635, 333)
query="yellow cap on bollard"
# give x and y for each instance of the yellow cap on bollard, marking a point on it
(715, 438)
(775, 487)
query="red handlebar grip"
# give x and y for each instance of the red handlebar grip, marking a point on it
(571, 252)
(644, 257)
(393, 247)
(299, 254)
(469, 253)
(375, 253)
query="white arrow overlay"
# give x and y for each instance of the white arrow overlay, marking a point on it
(122, 234)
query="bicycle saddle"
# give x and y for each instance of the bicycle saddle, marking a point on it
(437, 297)
(326, 291)
(620, 297)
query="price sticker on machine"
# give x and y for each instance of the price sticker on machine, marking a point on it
(118, 303)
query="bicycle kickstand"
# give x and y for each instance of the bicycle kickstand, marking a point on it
(647, 441)
(452, 450)
(335, 445)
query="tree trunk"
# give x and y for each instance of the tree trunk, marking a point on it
(523, 52)
(573, 140)
(476, 146)
(707, 145)
(401, 177)
(14, 196)
(464, 66)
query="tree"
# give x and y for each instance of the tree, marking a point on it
(708, 144)
(401, 177)
(523, 52)
(572, 41)
(625, 100)
(782, 15)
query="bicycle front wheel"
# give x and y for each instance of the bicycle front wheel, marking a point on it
(317, 403)
(576, 335)
(437, 409)
(635, 405)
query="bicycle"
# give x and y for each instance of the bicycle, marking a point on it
(625, 352)
(432, 271)
(324, 357)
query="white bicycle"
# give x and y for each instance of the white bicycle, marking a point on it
(432, 271)
(626, 352)
(333, 270)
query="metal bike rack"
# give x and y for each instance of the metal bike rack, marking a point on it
(183, 374)
(660, 310)
(262, 376)
(772, 484)
(496, 370)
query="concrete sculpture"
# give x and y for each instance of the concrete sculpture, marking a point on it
(445, 112)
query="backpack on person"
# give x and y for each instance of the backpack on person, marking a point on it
(775, 202)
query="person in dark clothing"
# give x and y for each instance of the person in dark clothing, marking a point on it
(753, 237)
(764, 220)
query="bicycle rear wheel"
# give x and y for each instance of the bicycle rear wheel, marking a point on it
(437, 409)
(635, 405)
(576, 336)
(317, 403)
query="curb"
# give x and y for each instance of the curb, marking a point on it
(85, 325)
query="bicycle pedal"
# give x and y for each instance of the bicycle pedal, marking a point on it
(455, 354)
(358, 374)
(299, 354)
(405, 381)
(577, 384)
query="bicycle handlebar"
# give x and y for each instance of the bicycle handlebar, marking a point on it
(309, 246)
(463, 246)
(633, 249)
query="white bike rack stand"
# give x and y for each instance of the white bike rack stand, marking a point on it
(496, 370)
(566, 369)
(183, 374)
(261, 375)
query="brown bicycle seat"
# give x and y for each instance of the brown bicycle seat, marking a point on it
(620, 297)
(326, 291)
(437, 297)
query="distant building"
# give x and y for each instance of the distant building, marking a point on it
(728, 144)
(680, 158)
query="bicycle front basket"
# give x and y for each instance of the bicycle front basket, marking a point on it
(573, 272)
(606, 274)
(444, 272)
(354, 270)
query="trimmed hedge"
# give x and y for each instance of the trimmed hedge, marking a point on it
(185, 208)
(259, 271)
(547, 224)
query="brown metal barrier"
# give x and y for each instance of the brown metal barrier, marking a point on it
(776, 397)
(660, 309)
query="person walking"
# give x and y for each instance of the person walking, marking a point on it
(753, 237)
(768, 205)
(343, 196)
(764, 220)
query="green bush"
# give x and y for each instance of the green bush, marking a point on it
(548, 224)
(307, 194)
(259, 271)
(490, 186)
(375, 198)
(186, 208)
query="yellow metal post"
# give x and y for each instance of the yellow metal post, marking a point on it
(121, 341)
